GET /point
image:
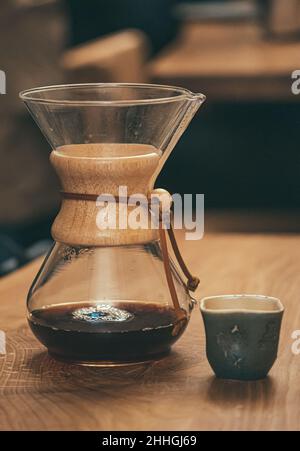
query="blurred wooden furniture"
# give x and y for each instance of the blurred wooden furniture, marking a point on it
(178, 392)
(31, 40)
(229, 61)
(119, 57)
(252, 220)
(284, 17)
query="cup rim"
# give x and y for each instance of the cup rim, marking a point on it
(227, 297)
(34, 94)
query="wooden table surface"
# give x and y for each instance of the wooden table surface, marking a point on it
(229, 61)
(179, 392)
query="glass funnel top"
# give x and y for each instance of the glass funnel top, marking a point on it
(112, 113)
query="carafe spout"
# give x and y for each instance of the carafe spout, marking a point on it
(198, 97)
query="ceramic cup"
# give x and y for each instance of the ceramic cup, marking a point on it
(242, 334)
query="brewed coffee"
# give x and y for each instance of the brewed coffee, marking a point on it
(114, 332)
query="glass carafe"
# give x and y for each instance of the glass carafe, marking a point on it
(108, 294)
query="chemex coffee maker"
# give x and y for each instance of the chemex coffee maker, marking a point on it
(109, 295)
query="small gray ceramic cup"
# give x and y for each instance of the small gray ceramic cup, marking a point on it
(242, 334)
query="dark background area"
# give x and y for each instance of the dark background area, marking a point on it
(240, 155)
(99, 18)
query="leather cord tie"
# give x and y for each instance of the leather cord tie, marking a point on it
(192, 281)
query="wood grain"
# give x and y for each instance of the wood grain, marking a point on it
(178, 392)
(96, 169)
(229, 62)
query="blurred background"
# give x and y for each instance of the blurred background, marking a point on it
(241, 151)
